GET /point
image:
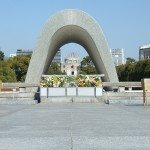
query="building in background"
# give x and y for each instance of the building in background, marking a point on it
(118, 56)
(23, 52)
(71, 64)
(57, 57)
(144, 52)
(12, 55)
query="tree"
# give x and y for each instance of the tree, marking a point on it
(87, 66)
(142, 69)
(6, 73)
(134, 71)
(20, 66)
(147, 70)
(2, 56)
(130, 60)
(121, 72)
(54, 69)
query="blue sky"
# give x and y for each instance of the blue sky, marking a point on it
(125, 23)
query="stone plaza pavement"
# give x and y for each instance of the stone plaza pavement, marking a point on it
(74, 126)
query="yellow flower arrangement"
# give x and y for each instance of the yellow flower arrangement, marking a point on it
(65, 81)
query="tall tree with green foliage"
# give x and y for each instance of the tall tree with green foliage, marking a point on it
(1, 55)
(87, 66)
(130, 60)
(134, 71)
(6, 73)
(54, 69)
(20, 66)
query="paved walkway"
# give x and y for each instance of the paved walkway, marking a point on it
(74, 127)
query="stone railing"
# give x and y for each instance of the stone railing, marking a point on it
(120, 86)
(21, 87)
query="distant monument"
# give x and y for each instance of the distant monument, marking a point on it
(71, 64)
(71, 26)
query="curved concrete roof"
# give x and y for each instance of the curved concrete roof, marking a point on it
(71, 26)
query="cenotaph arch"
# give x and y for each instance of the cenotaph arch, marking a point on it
(69, 26)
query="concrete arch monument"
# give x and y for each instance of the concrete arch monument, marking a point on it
(71, 26)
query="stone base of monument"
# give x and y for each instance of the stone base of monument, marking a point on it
(126, 102)
(70, 100)
(17, 98)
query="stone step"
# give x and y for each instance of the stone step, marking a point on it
(17, 98)
(125, 101)
(29, 101)
(15, 94)
(124, 97)
(70, 100)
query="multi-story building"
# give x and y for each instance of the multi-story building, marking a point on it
(144, 52)
(57, 57)
(23, 52)
(12, 55)
(71, 64)
(118, 56)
